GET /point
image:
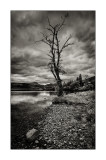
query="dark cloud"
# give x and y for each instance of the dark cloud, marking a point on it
(29, 61)
(90, 49)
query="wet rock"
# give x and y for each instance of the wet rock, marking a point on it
(39, 123)
(31, 134)
(36, 141)
(79, 129)
(40, 137)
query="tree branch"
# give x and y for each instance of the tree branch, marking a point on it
(38, 41)
(68, 45)
(52, 49)
(49, 23)
(58, 52)
(65, 44)
(50, 56)
(54, 74)
(49, 30)
(47, 39)
(61, 25)
(46, 42)
(52, 70)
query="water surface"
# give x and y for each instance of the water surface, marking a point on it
(42, 98)
(28, 108)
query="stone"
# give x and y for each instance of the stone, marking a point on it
(79, 129)
(32, 134)
(36, 141)
(39, 123)
(40, 137)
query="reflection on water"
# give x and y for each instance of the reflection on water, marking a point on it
(27, 109)
(39, 98)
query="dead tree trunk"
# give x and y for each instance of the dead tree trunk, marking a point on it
(60, 88)
(55, 52)
(59, 84)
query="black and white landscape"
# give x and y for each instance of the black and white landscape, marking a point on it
(52, 79)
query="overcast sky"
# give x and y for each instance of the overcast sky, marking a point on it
(29, 60)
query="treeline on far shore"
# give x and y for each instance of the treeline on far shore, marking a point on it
(71, 86)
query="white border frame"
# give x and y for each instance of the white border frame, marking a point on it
(5, 151)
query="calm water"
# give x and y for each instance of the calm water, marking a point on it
(27, 109)
(40, 98)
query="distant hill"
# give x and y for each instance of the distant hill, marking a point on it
(26, 86)
(49, 87)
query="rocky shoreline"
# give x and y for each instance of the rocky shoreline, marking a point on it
(63, 125)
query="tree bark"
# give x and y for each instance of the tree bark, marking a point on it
(59, 84)
(60, 88)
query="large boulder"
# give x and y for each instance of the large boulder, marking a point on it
(32, 134)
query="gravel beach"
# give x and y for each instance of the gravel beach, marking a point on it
(60, 126)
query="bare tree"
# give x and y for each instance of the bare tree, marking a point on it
(52, 40)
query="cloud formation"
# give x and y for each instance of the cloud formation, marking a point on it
(29, 60)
